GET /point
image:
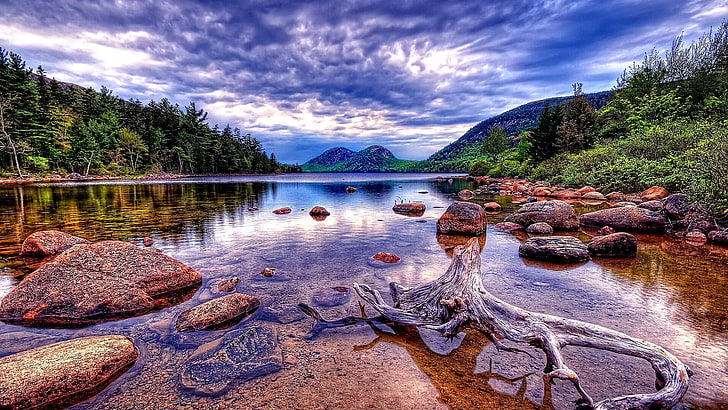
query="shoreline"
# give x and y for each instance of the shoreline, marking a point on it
(80, 178)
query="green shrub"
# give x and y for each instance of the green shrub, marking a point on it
(480, 168)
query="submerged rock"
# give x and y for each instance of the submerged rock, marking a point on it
(63, 373)
(240, 355)
(331, 296)
(558, 214)
(228, 285)
(46, 243)
(625, 218)
(616, 245)
(217, 313)
(554, 249)
(386, 257)
(464, 218)
(100, 281)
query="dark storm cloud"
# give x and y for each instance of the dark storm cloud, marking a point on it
(304, 75)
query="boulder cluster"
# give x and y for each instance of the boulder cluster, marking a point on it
(80, 283)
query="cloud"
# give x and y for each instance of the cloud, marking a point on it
(302, 76)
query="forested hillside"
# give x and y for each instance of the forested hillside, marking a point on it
(460, 154)
(51, 127)
(666, 123)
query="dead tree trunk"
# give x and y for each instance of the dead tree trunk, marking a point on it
(458, 300)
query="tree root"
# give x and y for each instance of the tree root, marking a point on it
(459, 300)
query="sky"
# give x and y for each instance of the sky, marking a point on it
(306, 76)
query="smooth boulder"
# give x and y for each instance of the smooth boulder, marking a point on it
(564, 249)
(100, 281)
(319, 211)
(558, 214)
(463, 218)
(240, 355)
(540, 228)
(655, 192)
(63, 373)
(216, 313)
(625, 218)
(616, 245)
(46, 243)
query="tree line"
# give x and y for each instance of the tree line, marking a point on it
(47, 126)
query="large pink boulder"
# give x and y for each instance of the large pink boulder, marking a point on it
(64, 373)
(100, 281)
(464, 218)
(558, 214)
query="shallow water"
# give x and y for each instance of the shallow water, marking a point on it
(672, 293)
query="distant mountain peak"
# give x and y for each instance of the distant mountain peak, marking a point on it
(374, 158)
(378, 150)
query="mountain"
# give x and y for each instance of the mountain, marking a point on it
(458, 155)
(331, 157)
(375, 158)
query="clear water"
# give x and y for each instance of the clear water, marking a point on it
(672, 293)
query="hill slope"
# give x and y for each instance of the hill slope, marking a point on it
(375, 158)
(458, 155)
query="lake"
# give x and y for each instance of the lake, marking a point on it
(673, 294)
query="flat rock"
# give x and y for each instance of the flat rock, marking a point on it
(492, 207)
(566, 249)
(282, 211)
(100, 281)
(654, 205)
(463, 218)
(410, 208)
(46, 243)
(558, 214)
(240, 355)
(331, 296)
(63, 373)
(217, 313)
(615, 245)
(625, 218)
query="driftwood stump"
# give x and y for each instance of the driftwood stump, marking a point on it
(459, 300)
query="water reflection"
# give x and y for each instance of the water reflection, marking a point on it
(671, 293)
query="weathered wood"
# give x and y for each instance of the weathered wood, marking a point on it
(459, 300)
